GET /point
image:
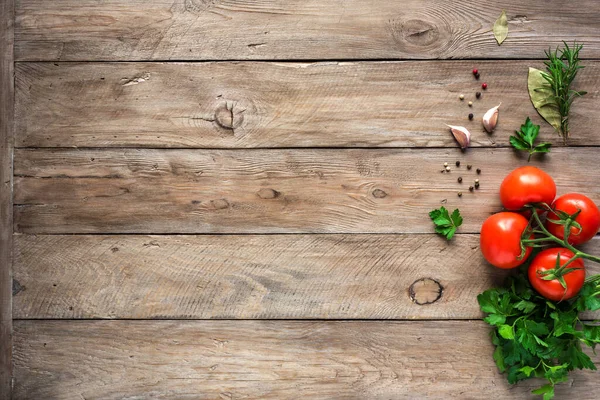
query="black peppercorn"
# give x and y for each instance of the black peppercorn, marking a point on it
(478, 94)
(471, 117)
(469, 166)
(477, 75)
(478, 171)
(459, 179)
(470, 188)
(458, 163)
(476, 185)
(459, 194)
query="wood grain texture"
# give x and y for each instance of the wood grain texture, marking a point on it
(250, 104)
(248, 277)
(6, 207)
(266, 360)
(300, 29)
(269, 191)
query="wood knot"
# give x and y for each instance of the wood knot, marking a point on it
(419, 33)
(229, 115)
(379, 194)
(17, 287)
(425, 291)
(219, 204)
(266, 193)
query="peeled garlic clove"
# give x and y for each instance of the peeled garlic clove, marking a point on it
(490, 119)
(461, 134)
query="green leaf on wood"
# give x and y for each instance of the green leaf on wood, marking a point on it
(500, 28)
(542, 97)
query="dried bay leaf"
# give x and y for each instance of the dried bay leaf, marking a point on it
(501, 28)
(542, 97)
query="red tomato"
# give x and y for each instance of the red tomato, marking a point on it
(588, 218)
(552, 289)
(526, 185)
(500, 239)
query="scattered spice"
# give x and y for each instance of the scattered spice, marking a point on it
(500, 28)
(448, 169)
(476, 181)
(445, 164)
(484, 86)
(477, 185)
(478, 171)
(478, 94)
(460, 179)
(475, 71)
(461, 96)
(471, 117)
(458, 163)
(470, 104)
(469, 166)
(470, 188)
(477, 76)
(459, 194)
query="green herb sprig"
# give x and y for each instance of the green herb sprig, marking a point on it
(525, 137)
(446, 224)
(562, 67)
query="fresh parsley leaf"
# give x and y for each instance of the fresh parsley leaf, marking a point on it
(589, 297)
(495, 319)
(446, 224)
(526, 137)
(506, 331)
(546, 390)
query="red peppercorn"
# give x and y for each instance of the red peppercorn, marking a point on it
(475, 71)
(484, 86)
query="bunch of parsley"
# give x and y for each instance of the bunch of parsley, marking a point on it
(538, 338)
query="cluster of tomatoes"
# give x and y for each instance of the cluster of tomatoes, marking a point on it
(501, 234)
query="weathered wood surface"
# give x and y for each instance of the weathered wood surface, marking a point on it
(247, 277)
(250, 104)
(300, 29)
(6, 208)
(265, 360)
(269, 191)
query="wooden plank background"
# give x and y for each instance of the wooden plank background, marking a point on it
(242, 105)
(298, 29)
(242, 186)
(6, 208)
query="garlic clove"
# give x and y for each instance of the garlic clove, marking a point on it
(490, 119)
(461, 134)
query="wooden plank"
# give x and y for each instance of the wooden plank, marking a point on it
(281, 105)
(269, 191)
(249, 277)
(266, 360)
(6, 207)
(307, 29)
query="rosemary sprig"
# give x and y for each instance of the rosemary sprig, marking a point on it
(562, 66)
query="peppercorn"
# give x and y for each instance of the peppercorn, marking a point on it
(484, 86)
(469, 166)
(471, 117)
(461, 96)
(448, 169)
(475, 72)
(470, 188)
(459, 194)
(478, 171)
(477, 185)
(476, 181)
(477, 75)
(470, 104)
(478, 94)
(458, 163)
(460, 179)
(445, 164)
